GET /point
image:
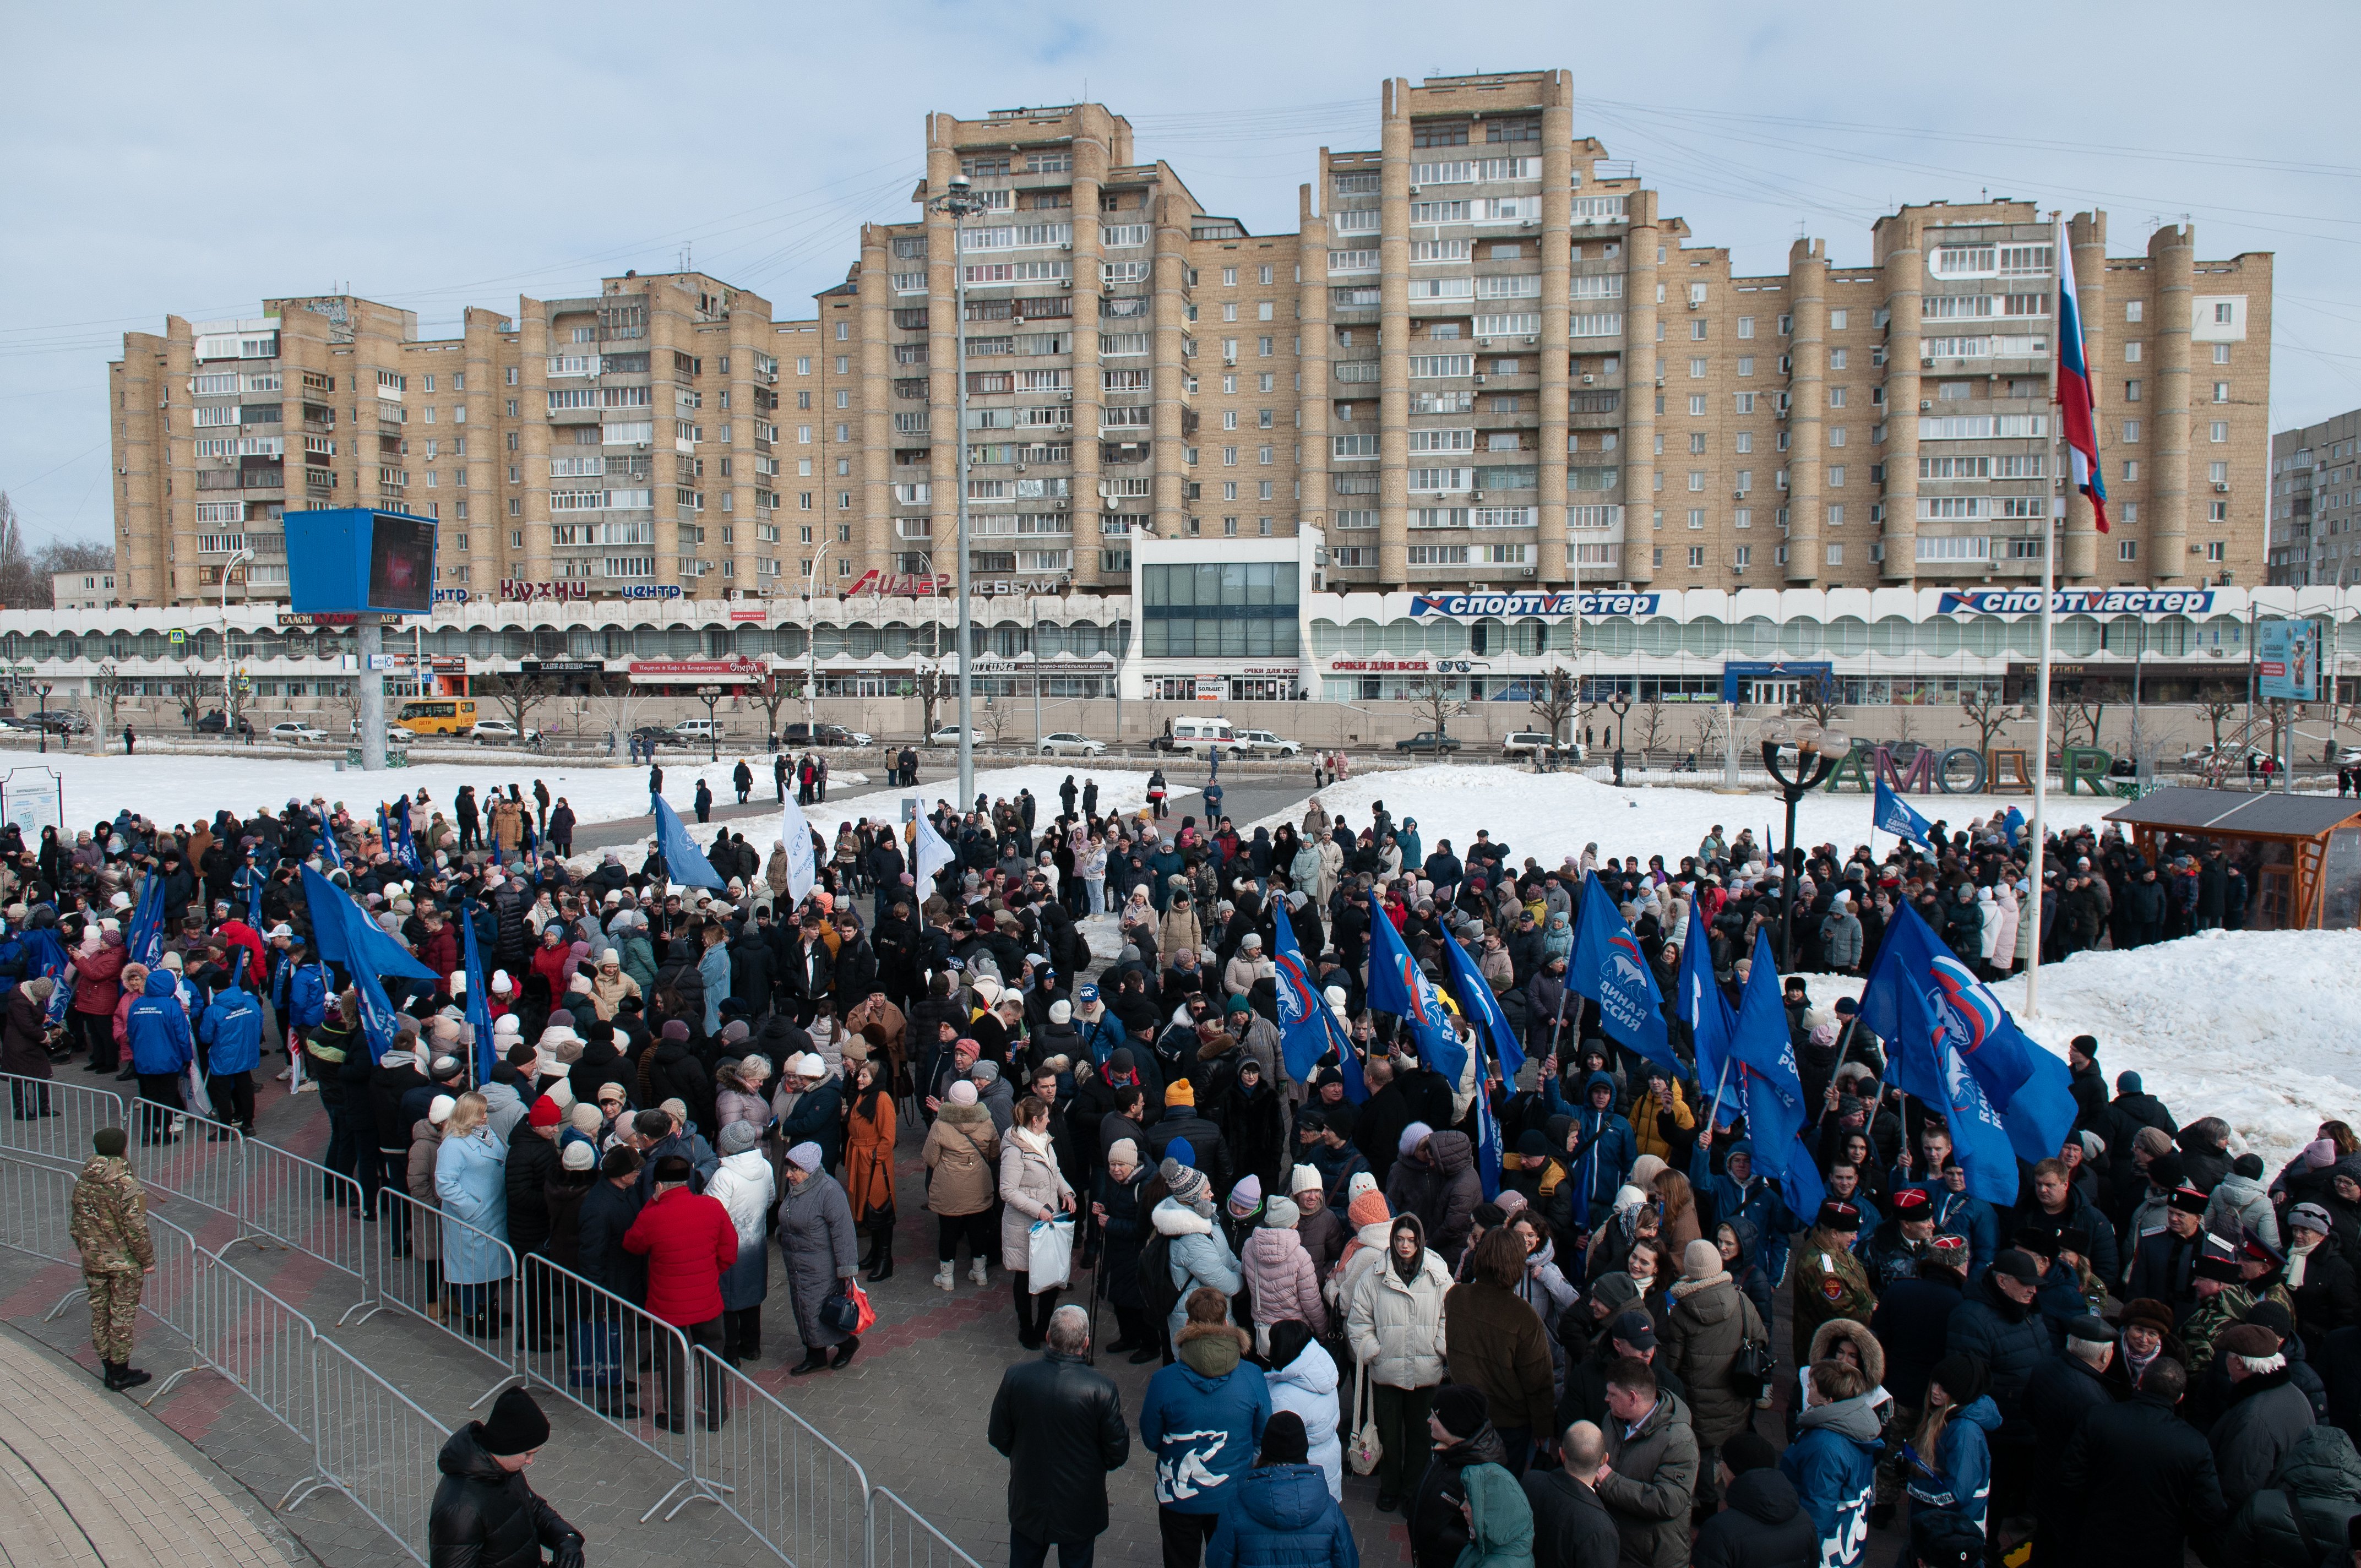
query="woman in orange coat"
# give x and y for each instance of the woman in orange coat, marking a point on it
(868, 1130)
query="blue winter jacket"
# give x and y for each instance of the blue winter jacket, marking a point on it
(232, 1030)
(1204, 1431)
(158, 1030)
(1964, 1214)
(1282, 1517)
(1964, 1460)
(304, 995)
(1758, 1203)
(1834, 1467)
(1604, 1143)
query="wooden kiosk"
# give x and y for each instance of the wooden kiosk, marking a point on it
(2300, 854)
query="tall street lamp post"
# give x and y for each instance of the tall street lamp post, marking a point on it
(960, 202)
(1817, 752)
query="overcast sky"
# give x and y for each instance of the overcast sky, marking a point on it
(162, 161)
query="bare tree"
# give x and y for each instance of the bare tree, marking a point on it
(928, 689)
(1555, 702)
(109, 687)
(1815, 699)
(2214, 713)
(2077, 718)
(1983, 709)
(997, 716)
(1709, 734)
(1654, 726)
(516, 696)
(24, 573)
(1437, 703)
(779, 687)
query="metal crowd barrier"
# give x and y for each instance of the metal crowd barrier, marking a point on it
(302, 1204)
(374, 1445)
(255, 1340)
(404, 1265)
(899, 1536)
(584, 1343)
(204, 1165)
(801, 1495)
(53, 1119)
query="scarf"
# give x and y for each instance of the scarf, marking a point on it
(2296, 1257)
(1037, 1142)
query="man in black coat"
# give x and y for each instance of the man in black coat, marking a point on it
(2146, 1477)
(1377, 1128)
(2059, 1396)
(1060, 1424)
(1571, 1528)
(484, 1515)
(1762, 1523)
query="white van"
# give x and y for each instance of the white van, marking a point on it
(700, 729)
(1198, 737)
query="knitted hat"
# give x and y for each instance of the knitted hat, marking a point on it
(1699, 1259)
(1462, 1409)
(804, 1155)
(544, 1112)
(1369, 1209)
(1247, 1196)
(1184, 1151)
(1123, 1151)
(1284, 1441)
(439, 1109)
(2308, 1217)
(586, 1120)
(1179, 1093)
(1188, 1186)
(1412, 1136)
(2319, 1154)
(110, 1141)
(517, 1426)
(1061, 1011)
(1357, 1185)
(1304, 1176)
(737, 1137)
(1280, 1213)
(962, 1093)
(578, 1155)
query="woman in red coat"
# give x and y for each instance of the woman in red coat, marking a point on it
(688, 1239)
(97, 966)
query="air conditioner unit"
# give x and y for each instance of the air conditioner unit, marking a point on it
(2220, 488)
(1065, 282)
(1926, 405)
(1066, 244)
(1526, 224)
(1695, 305)
(1588, 380)
(1483, 343)
(1413, 189)
(1660, 381)
(1926, 363)
(1738, 495)
(1227, 360)
(1532, 337)
(1479, 379)
(1065, 397)
(1527, 571)
(1475, 494)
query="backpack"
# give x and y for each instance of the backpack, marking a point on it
(1156, 1286)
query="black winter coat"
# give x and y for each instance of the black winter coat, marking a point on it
(2265, 1416)
(606, 1213)
(1059, 1422)
(486, 1517)
(2059, 1396)
(532, 1162)
(2011, 1340)
(2148, 1484)
(1571, 1528)
(674, 1073)
(512, 940)
(1763, 1527)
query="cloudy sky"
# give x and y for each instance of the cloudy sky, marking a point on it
(433, 156)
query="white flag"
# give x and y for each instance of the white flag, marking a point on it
(796, 833)
(933, 852)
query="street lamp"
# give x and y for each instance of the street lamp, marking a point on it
(1618, 705)
(231, 566)
(960, 202)
(1817, 752)
(42, 727)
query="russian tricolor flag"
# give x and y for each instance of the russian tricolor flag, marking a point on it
(2077, 403)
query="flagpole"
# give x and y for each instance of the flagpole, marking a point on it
(2049, 580)
(1719, 1083)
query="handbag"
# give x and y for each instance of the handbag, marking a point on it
(1049, 1254)
(848, 1311)
(1751, 1369)
(877, 1214)
(1363, 1451)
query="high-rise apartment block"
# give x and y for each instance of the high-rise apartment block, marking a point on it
(1488, 356)
(2316, 504)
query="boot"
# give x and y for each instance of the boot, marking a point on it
(944, 1277)
(881, 1261)
(127, 1377)
(975, 1270)
(869, 1258)
(844, 1353)
(812, 1362)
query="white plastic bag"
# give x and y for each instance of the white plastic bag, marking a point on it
(1050, 1259)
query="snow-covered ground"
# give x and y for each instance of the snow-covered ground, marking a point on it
(1552, 815)
(183, 789)
(2261, 1028)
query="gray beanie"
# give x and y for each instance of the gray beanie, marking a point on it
(737, 1137)
(1188, 1185)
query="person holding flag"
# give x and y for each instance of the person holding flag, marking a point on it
(1608, 967)
(1891, 813)
(1397, 986)
(683, 862)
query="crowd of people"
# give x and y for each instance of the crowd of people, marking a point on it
(1574, 1359)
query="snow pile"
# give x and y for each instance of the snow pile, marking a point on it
(2261, 1028)
(1552, 815)
(187, 789)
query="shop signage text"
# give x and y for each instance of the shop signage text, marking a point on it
(1545, 605)
(2079, 601)
(739, 668)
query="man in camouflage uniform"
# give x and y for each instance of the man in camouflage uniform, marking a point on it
(2223, 1299)
(1829, 1280)
(110, 1231)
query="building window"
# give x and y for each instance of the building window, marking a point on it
(2133, 309)
(2220, 391)
(1696, 406)
(1696, 554)
(2127, 550)
(2217, 511)
(2216, 550)
(2218, 431)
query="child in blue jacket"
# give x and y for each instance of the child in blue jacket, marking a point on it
(1948, 1464)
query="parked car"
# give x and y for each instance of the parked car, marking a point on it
(1428, 741)
(395, 735)
(1263, 743)
(58, 721)
(949, 735)
(501, 732)
(294, 732)
(2348, 756)
(1198, 737)
(212, 722)
(1525, 742)
(2255, 756)
(801, 734)
(1067, 744)
(649, 735)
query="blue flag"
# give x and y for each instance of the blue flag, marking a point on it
(479, 1005)
(2014, 825)
(1608, 968)
(1893, 815)
(1348, 1058)
(1397, 986)
(1303, 1038)
(145, 943)
(1776, 1114)
(683, 861)
(1475, 1000)
(329, 853)
(1920, 996)
(1706, 1011)
(50, 962)
(405, 847)
(1487, 1141)
(344, 934)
